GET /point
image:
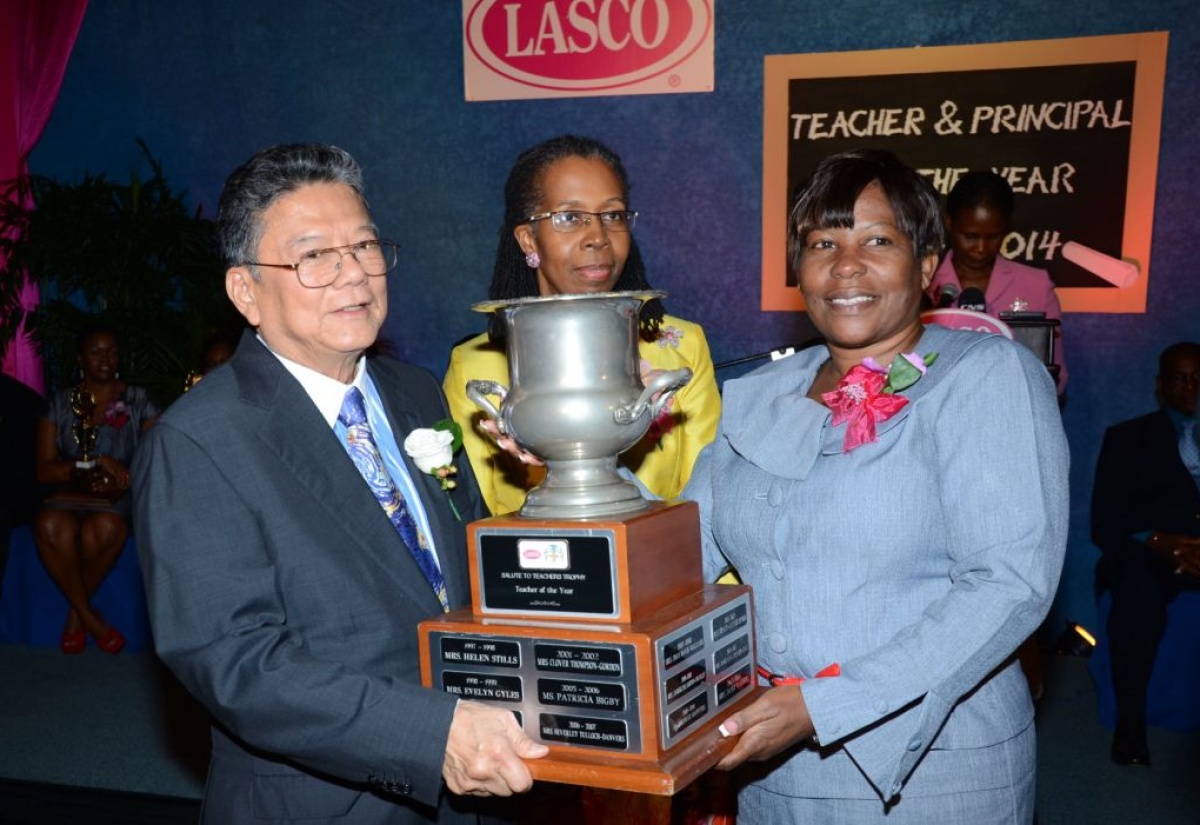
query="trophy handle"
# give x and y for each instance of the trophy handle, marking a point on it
(478, 391)
(666, 383)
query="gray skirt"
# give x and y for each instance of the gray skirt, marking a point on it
(1010, 802)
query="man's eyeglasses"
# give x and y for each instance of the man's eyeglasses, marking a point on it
(573, 220)
(321, 267)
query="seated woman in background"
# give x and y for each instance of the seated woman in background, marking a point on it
(218, 348)
(979, 212)
(568, 230)
(79, 538)
(858, 487)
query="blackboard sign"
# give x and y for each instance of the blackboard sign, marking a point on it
(1072, 124)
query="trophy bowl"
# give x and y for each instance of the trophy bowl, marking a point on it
(575, 397)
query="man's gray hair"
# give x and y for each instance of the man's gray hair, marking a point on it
(265, 178)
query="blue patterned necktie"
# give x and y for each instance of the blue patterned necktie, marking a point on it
(1189, 451)
(360, 444)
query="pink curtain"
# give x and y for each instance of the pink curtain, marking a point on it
(36, 38)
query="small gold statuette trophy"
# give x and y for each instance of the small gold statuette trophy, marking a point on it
(83, 405)
(589, 615)
(83, 490)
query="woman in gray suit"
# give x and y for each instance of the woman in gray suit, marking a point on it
(898, 500)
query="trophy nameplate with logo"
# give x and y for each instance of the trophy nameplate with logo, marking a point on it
(589, 616)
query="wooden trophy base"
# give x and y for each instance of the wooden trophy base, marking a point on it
(629, 706)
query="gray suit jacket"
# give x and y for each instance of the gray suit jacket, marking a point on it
(283, 598)
(919, 562)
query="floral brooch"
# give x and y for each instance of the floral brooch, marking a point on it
(116, 415)
(866, 395)
(669, 336)
(433, 449)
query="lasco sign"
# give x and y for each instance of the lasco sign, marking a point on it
(577, 48)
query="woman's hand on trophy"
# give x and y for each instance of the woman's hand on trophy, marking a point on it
(114, 475)
(648, 373)
(775, 721)
(508, 444)
(99, 480)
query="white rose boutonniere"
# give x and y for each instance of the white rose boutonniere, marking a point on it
(432, 450)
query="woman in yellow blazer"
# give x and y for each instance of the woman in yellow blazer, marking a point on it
(568, 230)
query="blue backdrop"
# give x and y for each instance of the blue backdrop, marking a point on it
(209, 83)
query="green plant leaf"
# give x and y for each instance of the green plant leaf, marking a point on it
(133, 256)
(902, 374)
(451, 426)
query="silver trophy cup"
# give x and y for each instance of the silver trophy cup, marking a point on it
(576, 397)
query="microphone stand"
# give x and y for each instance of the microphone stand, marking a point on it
(774, 354)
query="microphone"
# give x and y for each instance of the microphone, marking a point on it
(946, 296)
(972, 298)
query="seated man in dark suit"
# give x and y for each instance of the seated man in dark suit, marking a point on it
(290, 547)
(1146, 521)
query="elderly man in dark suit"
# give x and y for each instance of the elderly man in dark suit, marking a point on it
(1146, 521)
(290, 547)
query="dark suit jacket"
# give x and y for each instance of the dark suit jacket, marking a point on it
(1142, 485)
(283, 598)
(20, 409)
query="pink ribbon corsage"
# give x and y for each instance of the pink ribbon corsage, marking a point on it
(866, 395)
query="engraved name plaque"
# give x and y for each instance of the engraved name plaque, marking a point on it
(586, 710)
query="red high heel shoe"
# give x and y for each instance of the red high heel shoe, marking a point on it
(72, 642)
(111, 642)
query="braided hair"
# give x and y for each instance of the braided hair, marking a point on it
(511, 276)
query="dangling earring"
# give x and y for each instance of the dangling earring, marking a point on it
(533, 260)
